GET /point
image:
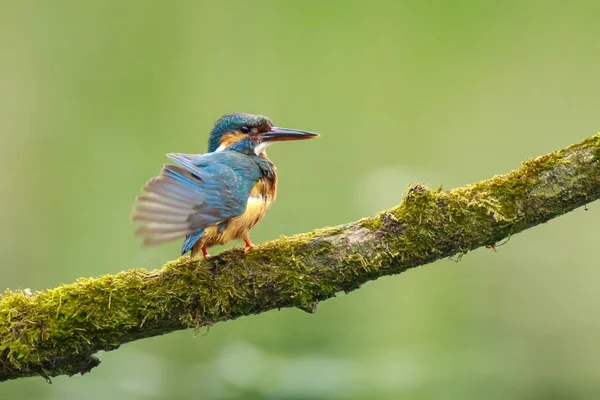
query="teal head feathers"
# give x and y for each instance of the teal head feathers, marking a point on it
(257, 131)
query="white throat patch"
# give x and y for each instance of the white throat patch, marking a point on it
(261, 148)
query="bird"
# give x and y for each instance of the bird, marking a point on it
(212, 198)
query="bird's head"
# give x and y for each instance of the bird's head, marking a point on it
(250, 132)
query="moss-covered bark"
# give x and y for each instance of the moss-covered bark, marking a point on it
(57, 331)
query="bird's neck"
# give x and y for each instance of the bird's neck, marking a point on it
(245, 146)
(257, 152)
(266, 166)
(267, 185)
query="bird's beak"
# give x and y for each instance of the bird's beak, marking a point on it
(276, 134)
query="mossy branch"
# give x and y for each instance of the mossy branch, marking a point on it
(57, 331)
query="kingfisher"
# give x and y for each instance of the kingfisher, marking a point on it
(212, 198)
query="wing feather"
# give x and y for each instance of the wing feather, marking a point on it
(201, 191)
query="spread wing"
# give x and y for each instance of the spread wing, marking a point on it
(203, 190)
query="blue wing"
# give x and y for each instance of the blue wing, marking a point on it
(203, 190)
(190, 241)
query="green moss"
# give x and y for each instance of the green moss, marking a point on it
(371, 223)
(437, 224)
(597, 151)
(55, 332)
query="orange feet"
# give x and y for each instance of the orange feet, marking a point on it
(205, 253)
(249, 245)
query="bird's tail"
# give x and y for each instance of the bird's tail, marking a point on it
(165, 207)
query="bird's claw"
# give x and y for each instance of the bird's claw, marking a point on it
(248, 247)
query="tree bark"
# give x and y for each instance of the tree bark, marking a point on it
(57, 331)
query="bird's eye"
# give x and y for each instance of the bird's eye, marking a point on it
(245, 129)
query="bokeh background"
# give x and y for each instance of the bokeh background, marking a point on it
(93, 94)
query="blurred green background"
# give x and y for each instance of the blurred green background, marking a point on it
(93, 94)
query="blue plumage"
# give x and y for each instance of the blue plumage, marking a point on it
(232, 122)
(190, 241)
(205, 190)
(206, 198)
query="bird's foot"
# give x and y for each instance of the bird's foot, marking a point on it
(249, 245)
(205, 253)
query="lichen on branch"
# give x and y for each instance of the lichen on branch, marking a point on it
(57, 331)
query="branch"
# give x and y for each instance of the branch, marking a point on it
(57, 331)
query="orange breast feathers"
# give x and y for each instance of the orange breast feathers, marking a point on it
(260, 200)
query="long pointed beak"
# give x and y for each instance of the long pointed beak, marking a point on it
(277, 134)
